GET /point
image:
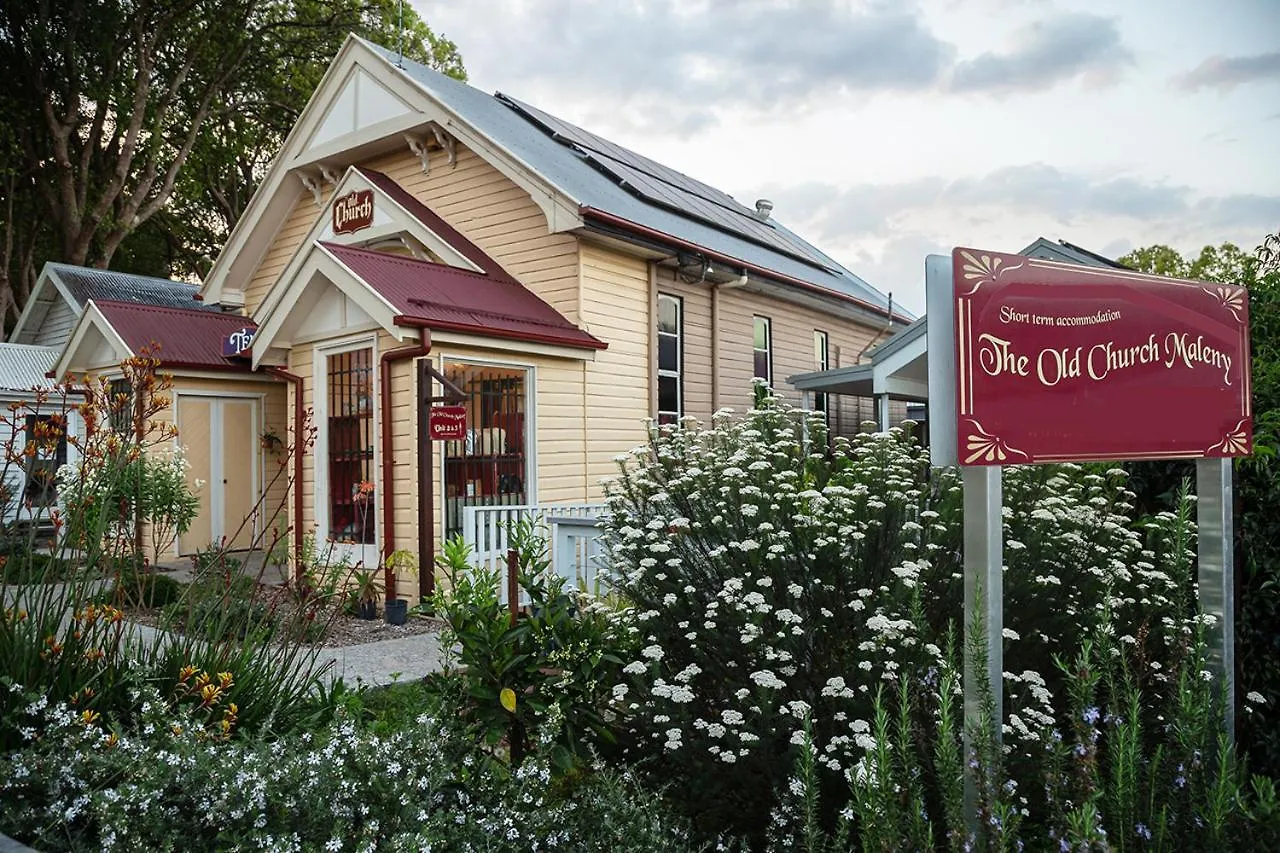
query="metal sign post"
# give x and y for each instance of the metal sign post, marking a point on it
(1216, 560)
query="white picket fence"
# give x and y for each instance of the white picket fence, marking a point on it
(570, 530)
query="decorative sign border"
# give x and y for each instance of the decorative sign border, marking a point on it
(977, 273)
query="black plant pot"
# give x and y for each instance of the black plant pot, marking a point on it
(397, 609)
(367, 609)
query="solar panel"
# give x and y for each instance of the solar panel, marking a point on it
(664, 186)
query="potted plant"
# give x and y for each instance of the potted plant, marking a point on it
(399, 563)
(368, 587)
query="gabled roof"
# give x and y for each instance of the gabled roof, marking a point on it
(24, 367)
(178, 337)
(77, 285)
(1068, 253)
(449, 298)
(428, 218)
(368, 102)
(618, 187)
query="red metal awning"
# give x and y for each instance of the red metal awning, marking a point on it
(179, 337)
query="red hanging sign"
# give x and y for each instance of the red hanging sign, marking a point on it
(446, 423)
(1060, 362)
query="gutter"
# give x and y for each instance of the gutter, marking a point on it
(529, 337)
(418, 350)
(299, 414)
(627, 225)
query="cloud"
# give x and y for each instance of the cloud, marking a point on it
(1227, 72)
(883, 231)
(663, 61)
(1050, 51)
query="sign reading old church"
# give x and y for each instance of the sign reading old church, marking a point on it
(1060, 362)
(353, 211)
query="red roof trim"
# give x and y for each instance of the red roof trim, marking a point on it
(197, 347)
(643, 231)
(430, 220)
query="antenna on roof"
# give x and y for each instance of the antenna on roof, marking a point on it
(400, 39)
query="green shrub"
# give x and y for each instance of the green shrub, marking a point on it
(168, 784)
(777, 585)
(557, 662)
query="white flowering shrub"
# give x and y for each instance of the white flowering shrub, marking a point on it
(774, 581)
(166, 784)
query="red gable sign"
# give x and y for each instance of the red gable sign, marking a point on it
(446, 423)
(1058, 362)
(353, 211)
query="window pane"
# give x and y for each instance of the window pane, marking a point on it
(820, 350)
(761, 333)
(668, 352)
(352, 510)
(668, 315)
(667, 418)
(668, 394)
(761, 365)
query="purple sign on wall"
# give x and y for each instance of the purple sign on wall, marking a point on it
(238, 341)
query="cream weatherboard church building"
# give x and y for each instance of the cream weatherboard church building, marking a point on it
(565, 287)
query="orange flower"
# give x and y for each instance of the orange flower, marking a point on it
(209, 695)
(224, 678)
(112, 740)
(89, 717)
(186, 672)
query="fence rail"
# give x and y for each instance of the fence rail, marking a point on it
(570, 529)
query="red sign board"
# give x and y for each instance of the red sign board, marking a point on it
(1060, 362)
(353, 211)
(446, 423)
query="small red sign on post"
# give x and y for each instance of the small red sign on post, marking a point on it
(1058, 362)
(446, 423)
(353, 211)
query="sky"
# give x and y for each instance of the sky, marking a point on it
(886, 131)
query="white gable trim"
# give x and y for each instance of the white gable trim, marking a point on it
(281, 189)
(397, 221)
(92, 328)
(321, 268)
(28, 322)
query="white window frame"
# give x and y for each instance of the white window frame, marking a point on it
(530, 425)
(368, 554)
(678, 373)
(822, 360)
(768, 347)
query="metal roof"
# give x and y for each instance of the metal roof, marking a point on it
(85, 283)
(23, 366)
(607, 180)
(179, 337)
(445, 297)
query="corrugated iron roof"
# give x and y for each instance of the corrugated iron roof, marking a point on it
(85, 283)
(181, 337)
(564, 166)
(445, 297)
(23, 366)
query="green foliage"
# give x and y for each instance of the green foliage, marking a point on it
(167, 783)
(782, 592)
(555, 662)
(1257, 484)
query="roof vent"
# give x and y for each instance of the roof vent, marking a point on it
(763, 208)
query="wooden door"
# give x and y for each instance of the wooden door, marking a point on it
(195, 430)
(239, 449)
(221, 440)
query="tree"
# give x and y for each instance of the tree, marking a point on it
(1225, 263)
(120, 113)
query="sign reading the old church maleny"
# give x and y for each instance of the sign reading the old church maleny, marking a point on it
(446, 423)
(353, 211)
(1061, 362)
